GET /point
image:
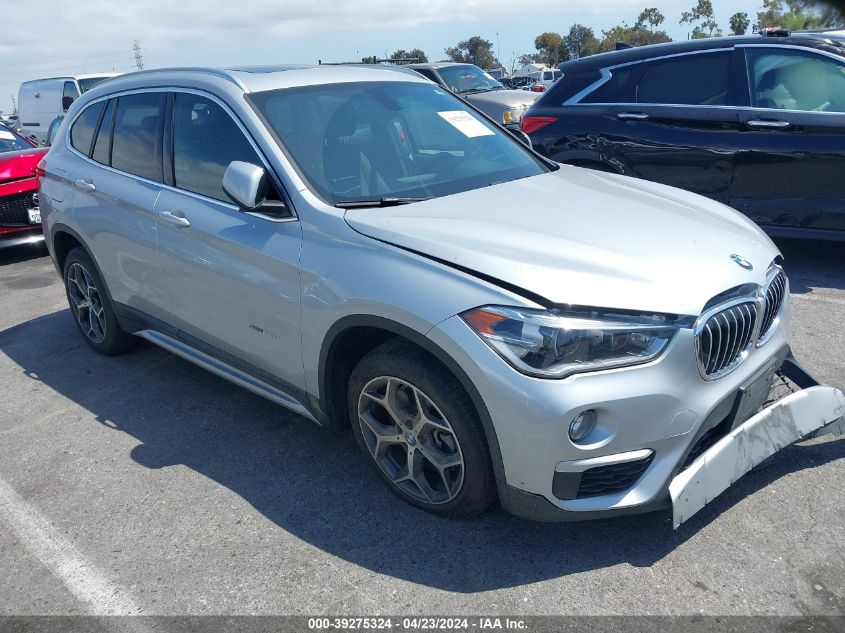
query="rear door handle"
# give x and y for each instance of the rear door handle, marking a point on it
(633, 116)
(85, 184)
(174, 218)
(768, 124)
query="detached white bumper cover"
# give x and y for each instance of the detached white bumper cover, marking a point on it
(788, 420)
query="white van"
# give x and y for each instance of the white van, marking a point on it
(41, 102)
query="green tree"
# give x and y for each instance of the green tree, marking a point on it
(739, 23)
(651, 17)
(797, 15)
(476, 50)
(414, 53)
(581, 41)
(548, 48)
(701, 18)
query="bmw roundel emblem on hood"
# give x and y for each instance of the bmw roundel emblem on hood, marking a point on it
(741, 261)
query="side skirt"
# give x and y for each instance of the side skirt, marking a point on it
(227, 372)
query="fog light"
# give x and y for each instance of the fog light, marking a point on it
(582, 425)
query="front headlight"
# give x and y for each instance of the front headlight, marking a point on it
(556, 344)
(514, 115)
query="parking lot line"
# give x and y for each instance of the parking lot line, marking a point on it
(89, 585)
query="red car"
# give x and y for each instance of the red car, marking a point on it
(20, 217)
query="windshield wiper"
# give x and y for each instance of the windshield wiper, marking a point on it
(474, 90)
(380, 202)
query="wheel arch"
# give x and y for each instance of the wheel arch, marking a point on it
(364, 332)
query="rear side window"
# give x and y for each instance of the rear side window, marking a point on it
(613, 90)
(569, 86)
(701, 79)
(102, 146)
(136, 146)
(82, 130)
(205, 141)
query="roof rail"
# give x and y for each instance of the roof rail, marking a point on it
(217, 72)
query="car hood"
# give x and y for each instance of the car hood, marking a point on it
(581, 237)
(20, 164)
(503, 98)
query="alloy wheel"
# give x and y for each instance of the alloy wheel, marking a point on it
(86, 303)
(411, 440)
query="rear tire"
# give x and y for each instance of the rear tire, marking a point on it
(91, 305)
(419, 428)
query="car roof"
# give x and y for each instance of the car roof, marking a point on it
(259, 78)
(811, 39)
(438, 65)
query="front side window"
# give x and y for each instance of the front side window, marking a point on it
(205, 141)
(699, 79)
(82, 130)
(136, 145)
(784, 79)
(364, 141)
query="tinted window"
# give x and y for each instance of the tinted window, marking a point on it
(102, 145)
(794, 80)
(136, 147)
(569, 86)
(69, 94)
(363, 141)
(612, 91)
(702, 79)
(82, 131)
(205, 141)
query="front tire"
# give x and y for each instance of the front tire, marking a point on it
(91, 306)
(419, 428)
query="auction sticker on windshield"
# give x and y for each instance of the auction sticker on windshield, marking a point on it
(465, 123)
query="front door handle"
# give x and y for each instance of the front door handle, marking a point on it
(174, 218)
(85, 184)
(632, 116)
(768, 124)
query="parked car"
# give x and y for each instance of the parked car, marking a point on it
(755, 122)
(42, 101)
(480, 89)
(359, 246)
(548, 77)
(20, 217)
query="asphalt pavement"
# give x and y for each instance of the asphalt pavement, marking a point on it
(142, 484)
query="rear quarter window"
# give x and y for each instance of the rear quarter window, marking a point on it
(569, 85)
(82, 130)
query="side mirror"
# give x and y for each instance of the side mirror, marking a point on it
(66, 103)
(247, 185)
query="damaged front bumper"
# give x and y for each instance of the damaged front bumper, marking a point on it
(814, 411)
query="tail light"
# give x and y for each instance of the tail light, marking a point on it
(41, 169)
(538, 88)
(531, 124)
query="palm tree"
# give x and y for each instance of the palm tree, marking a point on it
(739, 23)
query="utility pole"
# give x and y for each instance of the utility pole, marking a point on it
(14, 104)
(139, 60)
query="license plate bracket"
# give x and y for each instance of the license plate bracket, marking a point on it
(34, 215)
(753, 394)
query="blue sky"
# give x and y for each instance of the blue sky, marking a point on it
(92, 35)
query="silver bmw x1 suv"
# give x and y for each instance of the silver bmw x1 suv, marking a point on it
(371, 252)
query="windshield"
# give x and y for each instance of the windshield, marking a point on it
(368, 141)
(86, 84)
(11, 142)
(468, 78)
